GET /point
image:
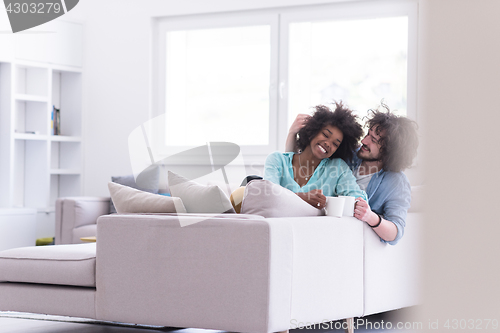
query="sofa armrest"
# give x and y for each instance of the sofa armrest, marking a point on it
(73, 213)
(392, 272)
(214, 274)
(327, 277)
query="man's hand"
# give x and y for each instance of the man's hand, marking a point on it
(299, 122)
(314, 197)
(363, 212)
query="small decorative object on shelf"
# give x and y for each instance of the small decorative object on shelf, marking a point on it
(27, 132)
(55, 122)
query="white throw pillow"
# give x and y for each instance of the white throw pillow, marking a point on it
(129, 200)
(199, 198)
(227, 188)
(264, 198)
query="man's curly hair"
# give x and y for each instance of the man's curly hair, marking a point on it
(398, 138)
(343, 119)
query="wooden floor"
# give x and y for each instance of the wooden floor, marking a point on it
(13, 322)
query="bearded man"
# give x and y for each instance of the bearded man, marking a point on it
(386, 151)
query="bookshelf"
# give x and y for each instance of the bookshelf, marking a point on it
(37, 167)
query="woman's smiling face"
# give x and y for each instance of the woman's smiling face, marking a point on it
(326, 142)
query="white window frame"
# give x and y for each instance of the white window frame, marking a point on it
(225, 20)
(347, 11)
(279, 20)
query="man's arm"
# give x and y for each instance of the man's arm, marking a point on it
(386, 230)
(396, 197)
(299, 122)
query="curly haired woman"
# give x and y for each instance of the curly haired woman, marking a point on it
(325, 143)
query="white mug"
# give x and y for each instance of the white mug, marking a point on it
(349, 204)
(334, 206)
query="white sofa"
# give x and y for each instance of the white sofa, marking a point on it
(229, 272)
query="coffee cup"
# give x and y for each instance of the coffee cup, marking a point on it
(334, 206)
(348, 205)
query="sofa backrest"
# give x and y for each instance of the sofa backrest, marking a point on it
(417, 199)
(77, 212)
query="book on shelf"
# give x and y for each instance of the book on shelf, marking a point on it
(55, 122)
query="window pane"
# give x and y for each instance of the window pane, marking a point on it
(217, 86)
(359, 62)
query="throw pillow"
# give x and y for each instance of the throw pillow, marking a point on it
(236, 198)
(131, 200)
(147, 181)
(199, 198)
(267, 199)
(227, 188)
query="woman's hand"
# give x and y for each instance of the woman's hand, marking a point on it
(299, 122)
(363, 212)
(314, 197)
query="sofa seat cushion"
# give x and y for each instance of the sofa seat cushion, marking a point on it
(71, 265)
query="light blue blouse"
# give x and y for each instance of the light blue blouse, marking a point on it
(333, 176)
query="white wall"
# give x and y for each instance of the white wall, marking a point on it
(117, 73)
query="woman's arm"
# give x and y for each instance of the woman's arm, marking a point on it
(273, 171)
(347, 185)
(299, 122)
(314, 197)
(273, 168)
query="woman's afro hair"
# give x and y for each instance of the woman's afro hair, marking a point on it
(342, 118)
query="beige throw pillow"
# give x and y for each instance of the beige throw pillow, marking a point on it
(267, 199)
(129, 200)
(199, 198)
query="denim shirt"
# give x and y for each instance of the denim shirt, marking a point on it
(389, 194)
(333, 176)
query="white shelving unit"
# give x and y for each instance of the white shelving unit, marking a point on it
(37, 167)
(17, 227)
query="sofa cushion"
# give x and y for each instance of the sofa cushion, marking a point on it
(267, 199)
(148, 181)
(71, 265)
(199, 198)
(130, 200)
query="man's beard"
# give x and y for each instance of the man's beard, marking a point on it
(367, 159)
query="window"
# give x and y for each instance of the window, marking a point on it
(357, 61)
(243, 77)
(217, 80)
